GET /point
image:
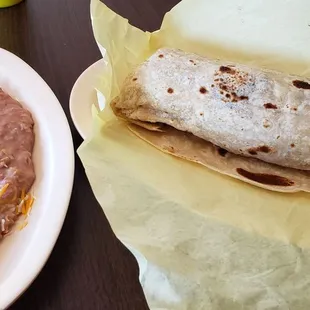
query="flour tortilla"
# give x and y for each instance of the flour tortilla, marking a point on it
(187, 146)
(251, 112)
(248, 123)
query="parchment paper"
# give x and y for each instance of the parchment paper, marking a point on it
(202, 240)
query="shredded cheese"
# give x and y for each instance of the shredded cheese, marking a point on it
(30, 202)
(23, 225)
(23, 194)
(3, 189)
(2, 225)
(24, 206)
(19, 207)
(23, 209)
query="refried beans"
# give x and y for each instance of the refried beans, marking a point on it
(16, 166)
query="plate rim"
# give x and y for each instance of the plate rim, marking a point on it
(72, 102)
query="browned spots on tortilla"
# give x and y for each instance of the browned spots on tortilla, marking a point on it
(301, 84)
(223, 87)
(278, 137)
(236, 98)
(227, 95)
(203, 90)
(170, 90)
(228, 70)
(262, 149)
(212, 85)
(193, 62)
(170, 149)
(252, 152)
(294, 109)
(201, 114)
(161, 56)
(270, 106)
(134, 79)
(292, 145)
(229, 80)
(222, 151)
(264, 178)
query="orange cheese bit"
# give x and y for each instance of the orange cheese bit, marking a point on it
(23, 194)
(3, 189)
(22, 205)
(23, 225)
(23, 209)
(29, 204)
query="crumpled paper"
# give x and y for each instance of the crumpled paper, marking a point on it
(202, 240)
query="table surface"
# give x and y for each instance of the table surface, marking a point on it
(88, 268)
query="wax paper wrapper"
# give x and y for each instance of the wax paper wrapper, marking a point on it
(202, 240)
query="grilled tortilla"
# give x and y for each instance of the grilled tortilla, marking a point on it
(251, 170)
(192, 107)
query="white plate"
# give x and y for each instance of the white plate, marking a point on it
(23, 254)
(84, 95)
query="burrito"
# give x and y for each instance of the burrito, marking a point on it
(248, 123)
